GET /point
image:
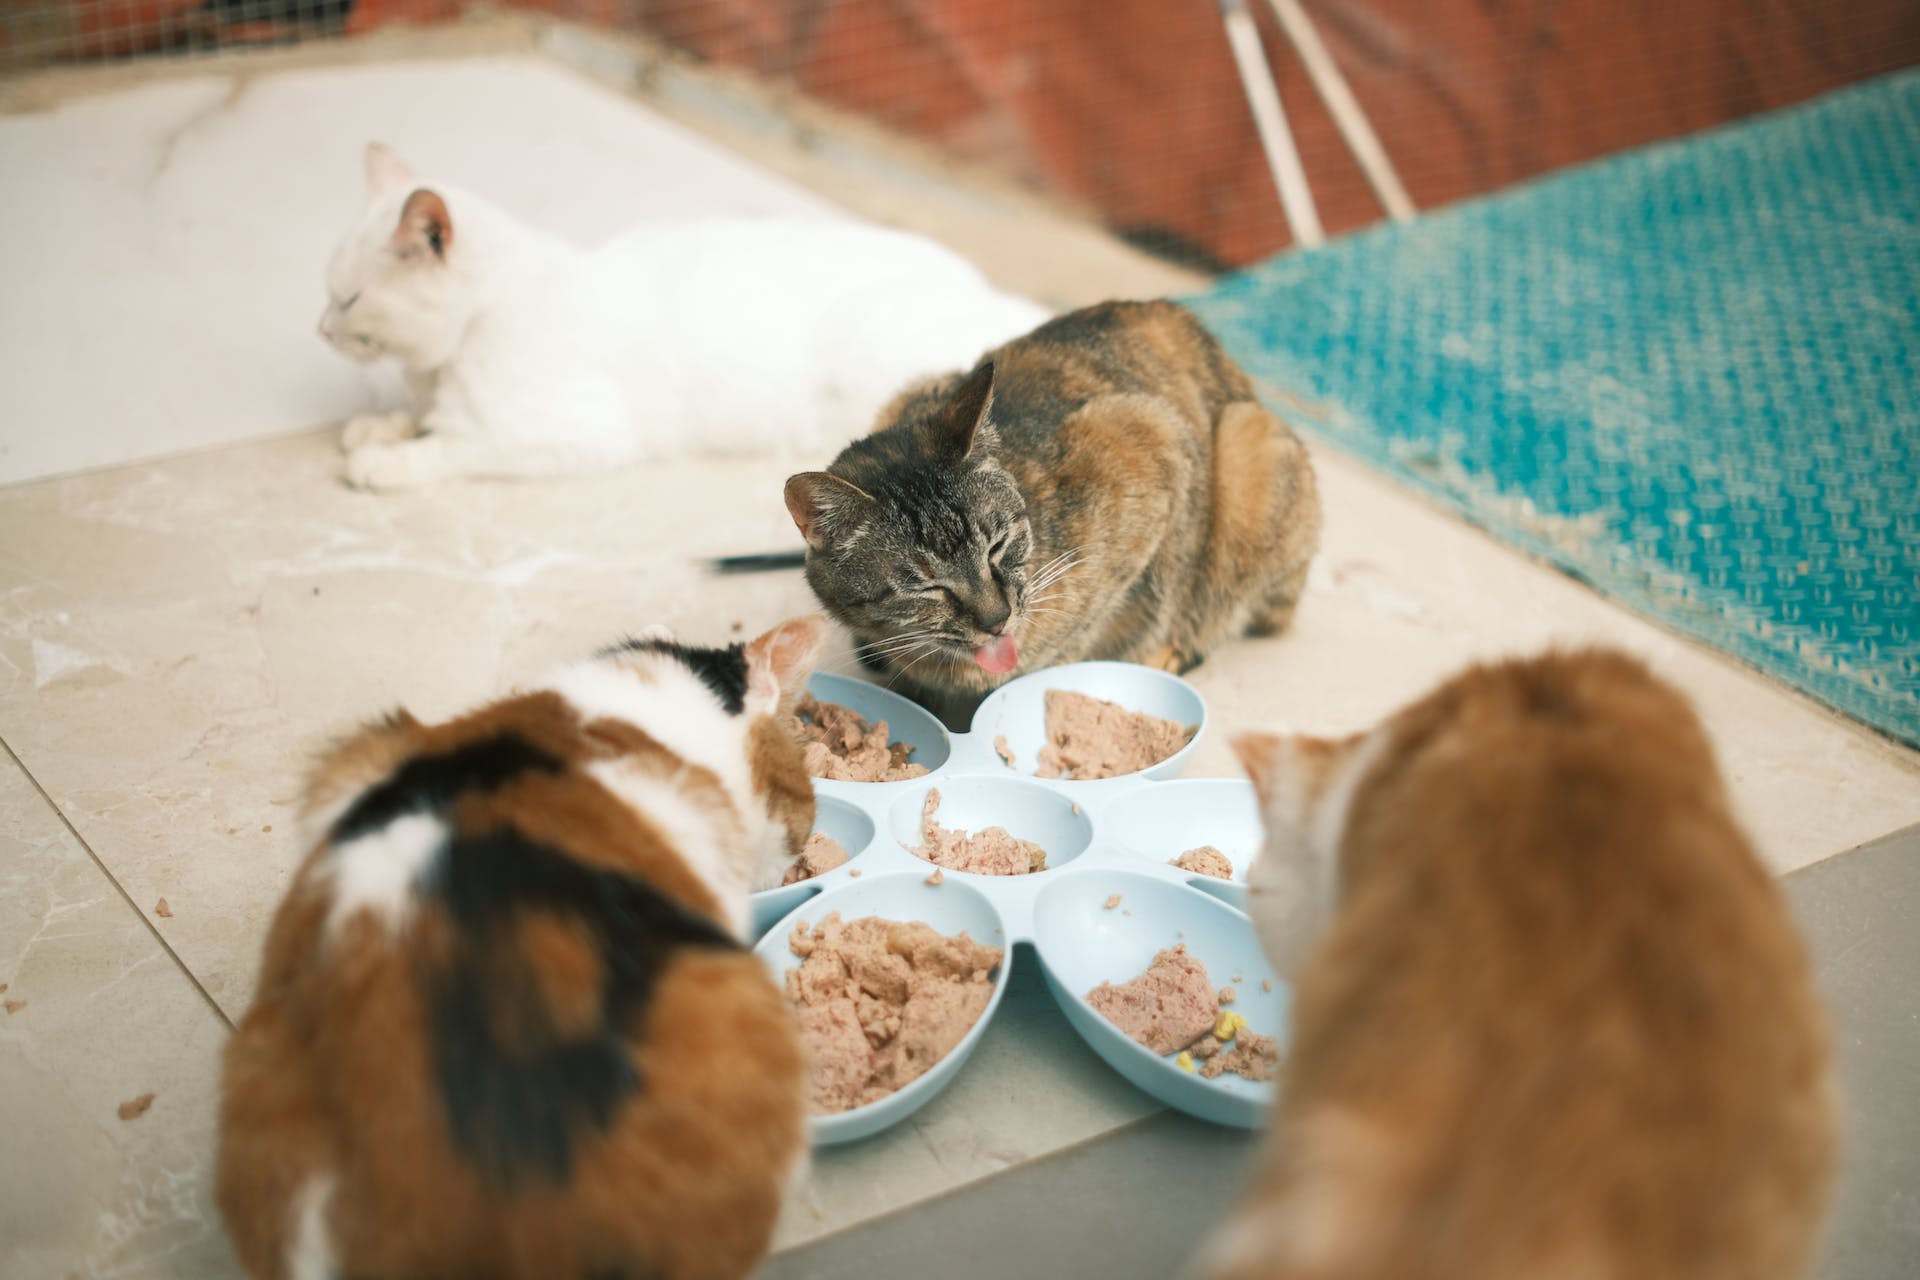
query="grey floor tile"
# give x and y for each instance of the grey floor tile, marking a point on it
(1861, 913)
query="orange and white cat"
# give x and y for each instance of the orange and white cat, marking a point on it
(507, 1023)
(1551, 1018)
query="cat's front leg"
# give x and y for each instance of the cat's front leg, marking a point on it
(406, 464)
(377, 428)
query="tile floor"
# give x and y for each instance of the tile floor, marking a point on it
(182, 622)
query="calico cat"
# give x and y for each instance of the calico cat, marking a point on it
(527, 356)
(1105, 487)
(507, 1024)
(1551, 1017)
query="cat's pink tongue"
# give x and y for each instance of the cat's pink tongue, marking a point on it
(999, 657)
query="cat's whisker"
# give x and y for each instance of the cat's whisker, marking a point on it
(900, 653)
(895, 643)
(1048, 576)
(931, 650)
(1053, 566)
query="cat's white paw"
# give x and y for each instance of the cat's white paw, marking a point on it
(376, 428)
(407, 465)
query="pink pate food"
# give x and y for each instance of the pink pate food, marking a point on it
(1205, 861)
(992, 852)
(1166, 1008)
(841, 744)
(1091, 738)
(882, 1001)
(822, 854)
(1174, 1007)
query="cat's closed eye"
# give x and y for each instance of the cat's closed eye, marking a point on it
(343, 305)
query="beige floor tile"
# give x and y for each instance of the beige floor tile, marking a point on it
(104, 1015)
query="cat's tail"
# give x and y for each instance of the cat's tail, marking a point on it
(761, 562)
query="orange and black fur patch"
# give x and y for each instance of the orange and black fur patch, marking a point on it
(502, 1028)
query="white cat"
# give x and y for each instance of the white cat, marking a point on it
(527, 356)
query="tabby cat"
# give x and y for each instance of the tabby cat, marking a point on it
(1105, 487)
(507, 1024)
(1551, 1017)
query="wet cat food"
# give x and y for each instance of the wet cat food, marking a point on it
(843, 745)
(1090, 738)
(1205, 861)
(992, 852)
(1166, 1008)
(882, 1001)
(822, 854)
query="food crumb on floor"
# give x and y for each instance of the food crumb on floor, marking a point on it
(938, 877)
(1266, 984)
(1113, 900)
(266, 828)
(15, 1006)
(134, 1108)
(853, 873)
(1004, 751)
(162, 910)
(1228, 995)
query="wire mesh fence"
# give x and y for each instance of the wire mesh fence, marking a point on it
(1134, 109)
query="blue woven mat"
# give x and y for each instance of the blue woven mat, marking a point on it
(1688, 375)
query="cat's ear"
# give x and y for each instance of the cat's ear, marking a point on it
(967, 409)
(1291, 772)
(425, 227)
(1260, 755)
(385, 170)
(779, 662)
(824, 506)
(1274, 763)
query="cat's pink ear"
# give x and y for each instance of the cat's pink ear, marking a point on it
(824, 506)
(779, 662)
(968, 407)
(425, 227)
(385, 170)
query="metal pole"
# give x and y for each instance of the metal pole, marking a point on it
(1345, 108)
(1270, 118)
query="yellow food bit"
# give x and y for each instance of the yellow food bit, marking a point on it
(1227, 1025)
(1184, 1061)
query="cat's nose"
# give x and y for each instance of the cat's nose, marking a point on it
(993, 619)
